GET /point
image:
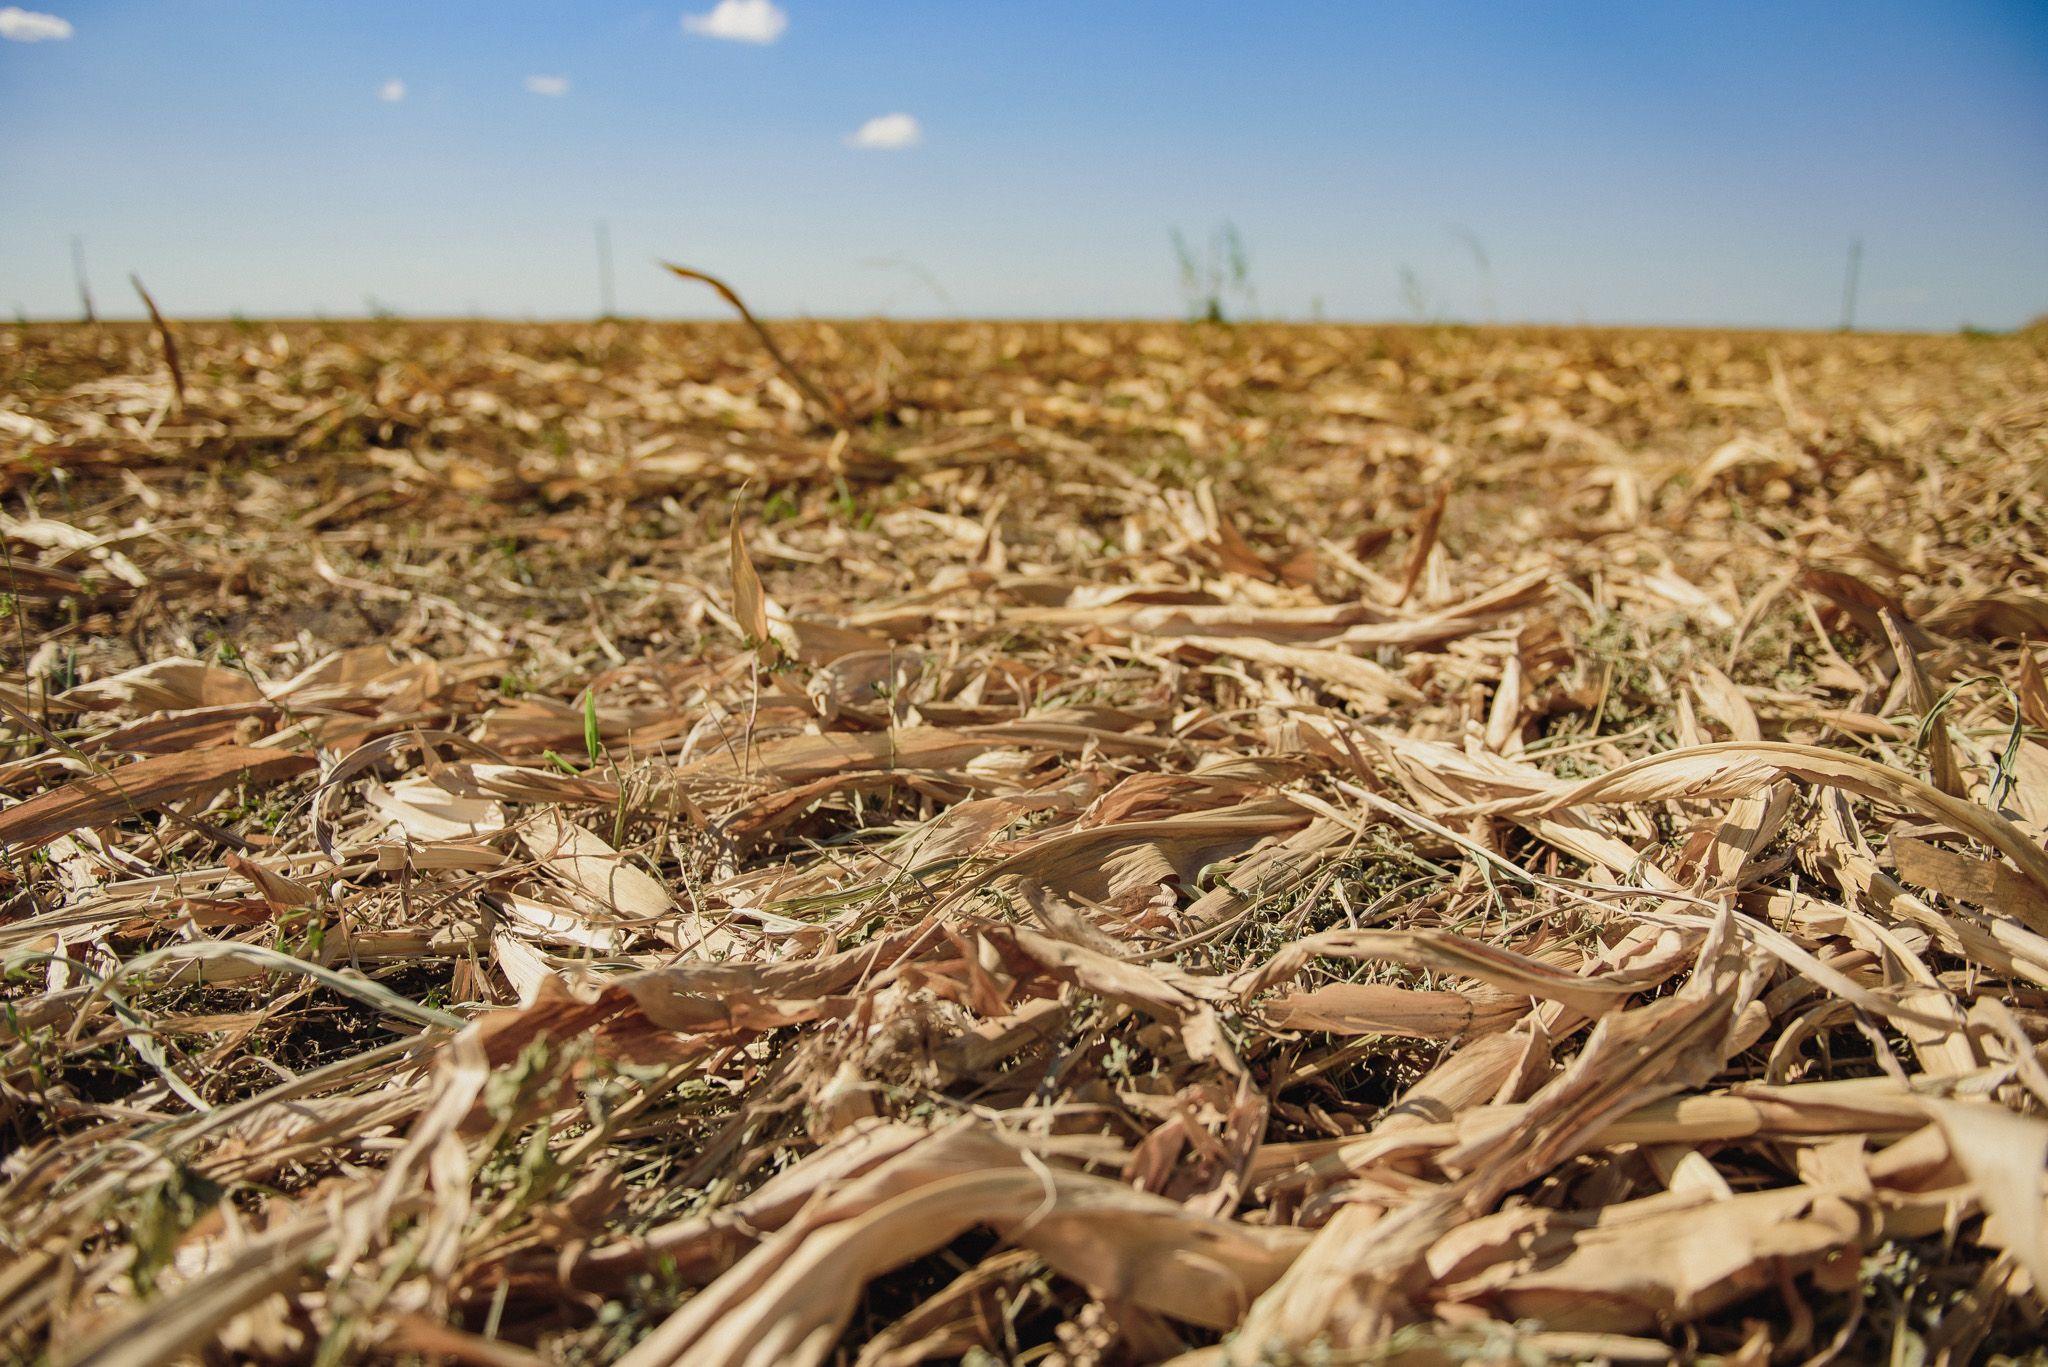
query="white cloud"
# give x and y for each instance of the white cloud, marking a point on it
(392, 91)
(886, 133)
(548, 85)
(740, 21)
(26, 26)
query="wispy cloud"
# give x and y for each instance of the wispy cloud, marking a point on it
(392, 91)
(740, 21)
(886, 133)
(26, 26)
(548, 85)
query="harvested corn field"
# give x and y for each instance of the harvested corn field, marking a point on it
(1034, 843)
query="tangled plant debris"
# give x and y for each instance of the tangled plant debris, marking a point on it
(1130, 842)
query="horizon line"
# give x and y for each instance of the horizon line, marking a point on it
(914, 319)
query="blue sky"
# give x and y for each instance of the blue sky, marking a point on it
(1660, 163)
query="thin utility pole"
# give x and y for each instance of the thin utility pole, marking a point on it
(604, 269)
(78, 274)
(1849, 285)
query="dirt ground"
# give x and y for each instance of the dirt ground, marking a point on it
(1040, 843)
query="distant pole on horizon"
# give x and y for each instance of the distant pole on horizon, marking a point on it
(78, 274)
(1849, 285)
(604, 270)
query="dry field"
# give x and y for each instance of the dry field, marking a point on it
(1069, 844)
